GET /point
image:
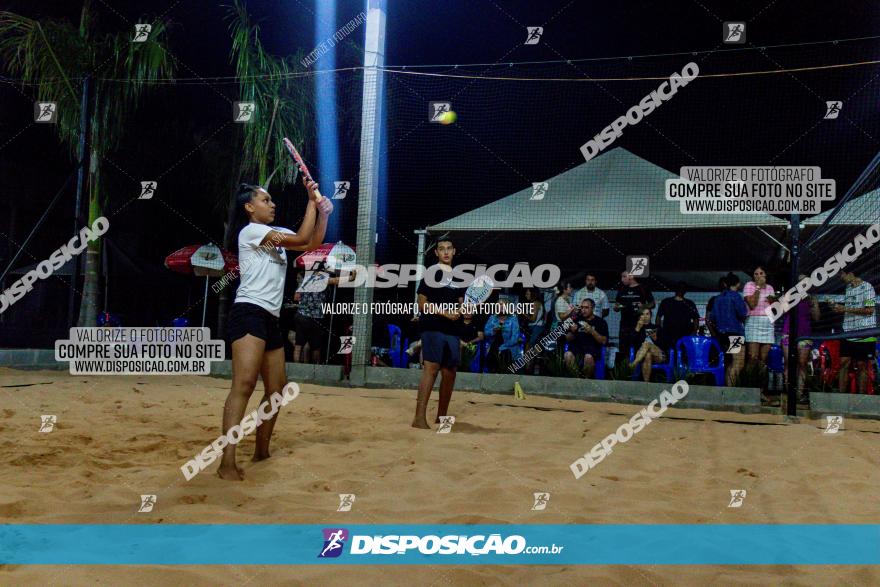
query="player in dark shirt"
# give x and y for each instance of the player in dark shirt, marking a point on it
(440, 328)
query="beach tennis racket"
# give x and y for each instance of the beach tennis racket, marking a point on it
(297, 158)
(478, 291)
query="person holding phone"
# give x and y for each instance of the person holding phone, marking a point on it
(645, 339)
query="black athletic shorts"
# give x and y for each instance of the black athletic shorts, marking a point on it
(857, 351)
(309, 330)
(251, 319)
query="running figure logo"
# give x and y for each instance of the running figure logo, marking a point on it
(47, 423)
(539, 190)
(346, 344)
(315, 280)
(147, 503)
(541, 500)
(735, 344)
(437, 110)
(832, 109)
(533, 34)
(148, 188)
(734, 33)
(45, 112)
(243, 111)
(446, 423)
(346, 500)
(833, 424)
(141, 32)
(737, 496)
(334, 540)
(341, 189)
(637, 266)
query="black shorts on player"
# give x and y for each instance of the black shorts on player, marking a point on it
(251, 319)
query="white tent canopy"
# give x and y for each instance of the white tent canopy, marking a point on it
(615, 191)
(859, 211)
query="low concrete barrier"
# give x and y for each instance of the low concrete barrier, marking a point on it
(847, 404)
(735, 399)
(746, 400)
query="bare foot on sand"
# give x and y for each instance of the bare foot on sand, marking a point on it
(260, 457)
(423, 424)
(230, 474)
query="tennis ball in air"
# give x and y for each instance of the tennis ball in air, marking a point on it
(448, 117)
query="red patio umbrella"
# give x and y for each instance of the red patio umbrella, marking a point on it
(202, 260)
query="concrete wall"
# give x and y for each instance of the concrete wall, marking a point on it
(847, 404)
(746, 400)
(632, 392)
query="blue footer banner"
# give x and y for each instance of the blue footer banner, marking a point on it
(498, 544)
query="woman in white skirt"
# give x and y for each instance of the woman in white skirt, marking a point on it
(759, 329)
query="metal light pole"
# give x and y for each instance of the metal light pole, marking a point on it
(81, 183)
(374, 59)
(792, 366)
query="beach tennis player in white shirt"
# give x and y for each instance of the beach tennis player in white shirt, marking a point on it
(254, 330)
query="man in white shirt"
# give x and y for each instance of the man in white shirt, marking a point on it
(858, 314)
(590, 291)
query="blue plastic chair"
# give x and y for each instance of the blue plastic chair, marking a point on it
(398, 346)
(775, 363)
(775, 366)
(477, 362)
(667, 367)
(697, 350)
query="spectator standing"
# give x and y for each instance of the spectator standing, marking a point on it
(600, 299)
(858, 314)
(729, 314)
(759, 329)
(631, 296)
(677, 317)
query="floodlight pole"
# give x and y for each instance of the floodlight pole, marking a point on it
(793, 359)
(81, 185)
(371, 125)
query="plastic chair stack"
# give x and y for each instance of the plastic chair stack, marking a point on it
(399, 358)
(775, 366)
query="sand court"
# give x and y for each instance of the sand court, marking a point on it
(117, 438)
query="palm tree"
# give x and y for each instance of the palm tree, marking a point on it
(53, 57)
(283, 97)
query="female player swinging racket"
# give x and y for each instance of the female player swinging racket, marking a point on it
(257, 347)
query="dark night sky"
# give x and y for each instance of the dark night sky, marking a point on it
(508, 134)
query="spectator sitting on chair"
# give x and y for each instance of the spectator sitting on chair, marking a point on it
(677, 317)
(502, 330)
(562, 307)
(645, 339)
(586, 338)
(470, 334)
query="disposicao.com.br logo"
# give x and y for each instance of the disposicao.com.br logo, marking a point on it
(453, 544)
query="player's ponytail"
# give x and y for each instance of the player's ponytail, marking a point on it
(238, 216)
